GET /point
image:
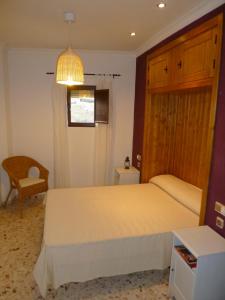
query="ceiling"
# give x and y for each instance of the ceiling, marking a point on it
(100, 24)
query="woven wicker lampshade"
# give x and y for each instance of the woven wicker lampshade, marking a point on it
(69, 69)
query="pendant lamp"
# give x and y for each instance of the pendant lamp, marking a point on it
(69, 70)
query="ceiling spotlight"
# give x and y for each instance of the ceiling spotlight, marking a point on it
(161, 5)
(132, 34)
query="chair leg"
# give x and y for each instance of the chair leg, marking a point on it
(21, 200)
(7, 198)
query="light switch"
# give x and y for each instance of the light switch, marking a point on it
(220, 208)
(219, 222)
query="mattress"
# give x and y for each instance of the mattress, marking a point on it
(105, 231)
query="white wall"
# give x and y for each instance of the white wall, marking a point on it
(4, 132)
(31, 110)
(30, 105)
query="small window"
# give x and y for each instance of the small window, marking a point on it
(81, 106)
(87, 106)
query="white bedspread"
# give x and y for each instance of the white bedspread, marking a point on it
(105, 231)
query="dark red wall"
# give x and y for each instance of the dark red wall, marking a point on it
(216, 190)
(217, 174)
(139, 108)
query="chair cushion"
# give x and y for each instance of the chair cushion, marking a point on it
(30, 181)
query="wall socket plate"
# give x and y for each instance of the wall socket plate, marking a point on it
(219, 222)
(220, 208)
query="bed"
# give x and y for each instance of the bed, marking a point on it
(104, 231)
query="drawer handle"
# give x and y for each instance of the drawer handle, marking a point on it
(166, 69)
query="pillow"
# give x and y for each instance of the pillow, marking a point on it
(185, 193)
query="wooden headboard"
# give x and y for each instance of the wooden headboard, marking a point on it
(177, 135)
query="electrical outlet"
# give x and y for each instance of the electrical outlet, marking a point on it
(219, 222)
(220, 208)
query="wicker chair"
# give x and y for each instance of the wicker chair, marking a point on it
(17, 168)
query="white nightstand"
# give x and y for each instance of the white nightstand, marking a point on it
(127, 176)
(205, 281)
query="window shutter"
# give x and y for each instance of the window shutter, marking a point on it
(102, 106)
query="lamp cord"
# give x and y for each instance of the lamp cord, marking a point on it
(69, 35)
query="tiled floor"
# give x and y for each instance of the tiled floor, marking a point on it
(20, 241)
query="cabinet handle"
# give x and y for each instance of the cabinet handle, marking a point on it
(172, 270)
(179, 64)
(216, 39)
(166, 69)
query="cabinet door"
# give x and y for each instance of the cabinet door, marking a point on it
(182, 279)
(158, 71)
(196, 61)
(176, 63)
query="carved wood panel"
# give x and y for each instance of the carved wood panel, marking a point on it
(176, 139)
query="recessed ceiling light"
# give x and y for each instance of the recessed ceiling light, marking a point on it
(132, 34)
(161, 5)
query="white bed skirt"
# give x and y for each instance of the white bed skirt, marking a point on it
(59, 265)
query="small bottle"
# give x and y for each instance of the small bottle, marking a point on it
(127, 163)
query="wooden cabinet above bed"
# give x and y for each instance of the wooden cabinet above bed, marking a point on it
(189, 61)
(180, 106)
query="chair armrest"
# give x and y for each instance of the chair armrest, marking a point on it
(44, 173)
(13, 179)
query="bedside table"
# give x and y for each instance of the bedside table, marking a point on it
(197, 270)
(127, 176)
